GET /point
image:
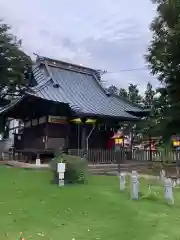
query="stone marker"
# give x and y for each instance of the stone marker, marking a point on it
(135, 186)
(122, 181)
(168, 186)
(38, 161)
(61, 171)
(162, 176)
(174, 183)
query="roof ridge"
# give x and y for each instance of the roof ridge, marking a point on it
(55, 62)
(100, 84)
(95, 73)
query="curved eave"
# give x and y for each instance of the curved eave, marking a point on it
(119, 118)
(10, 110)
(141, 113)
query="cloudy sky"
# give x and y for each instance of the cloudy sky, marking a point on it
(112, 35)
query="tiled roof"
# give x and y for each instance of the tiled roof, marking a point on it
(125, 104)
(81, 90)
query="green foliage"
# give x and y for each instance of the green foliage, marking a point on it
(164, 61)
(150, 100)
(149, 96)
(113, 89)
(133, 93)
(163, 58)
(76, 168)
(123, 93)
(15, 70)
(14, 64)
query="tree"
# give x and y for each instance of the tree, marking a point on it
(148, 99)
(158, 111)
(164, 61)
(15, 65)
(123, 93)
(15, 70)
(113, 89)
(133, 93)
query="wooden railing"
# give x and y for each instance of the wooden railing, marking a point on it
(101, 156)
(158, 156)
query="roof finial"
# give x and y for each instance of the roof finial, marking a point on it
(38, 57)
(102, 72)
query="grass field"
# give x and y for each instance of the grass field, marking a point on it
(30, 204)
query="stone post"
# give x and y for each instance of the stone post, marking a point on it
(122, 181)
(135, 187)
(168, 187)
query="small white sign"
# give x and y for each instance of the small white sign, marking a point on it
(38, 161)
(61, 167)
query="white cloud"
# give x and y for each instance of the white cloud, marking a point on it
(108, 34)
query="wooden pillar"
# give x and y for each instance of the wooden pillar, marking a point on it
(67, 138)
(46, 133)
(83, 137)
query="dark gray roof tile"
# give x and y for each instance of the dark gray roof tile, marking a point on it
(79, 88)
(81, 91)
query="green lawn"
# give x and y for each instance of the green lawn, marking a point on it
(30, 204)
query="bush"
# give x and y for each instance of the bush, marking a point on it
(76, 169)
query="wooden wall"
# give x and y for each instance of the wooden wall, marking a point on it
(55, 136)
(32, 137)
